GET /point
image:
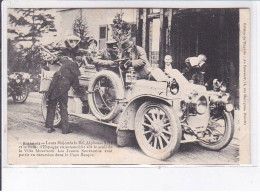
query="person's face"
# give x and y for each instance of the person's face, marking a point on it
(202, 58)
(115, 47)
(73, 43)
(168, 59)
(78, 60)
(127, 50)
(92, 46)
(126, 46)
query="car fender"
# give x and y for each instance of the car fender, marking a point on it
(127, 118)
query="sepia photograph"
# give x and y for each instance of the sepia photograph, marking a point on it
(128, 86)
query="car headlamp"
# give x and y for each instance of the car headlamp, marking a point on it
(174, 87)
(228, 102)
(222, 100)
(223, 88)
(202, 105)
(229, 107)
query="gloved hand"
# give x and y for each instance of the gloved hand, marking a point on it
(80, 91)
(116, 63)
(89, 59)
(124, 65)
(79, 61)
(128, 64)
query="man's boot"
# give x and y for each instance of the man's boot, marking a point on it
(66, 131)
(51, 130)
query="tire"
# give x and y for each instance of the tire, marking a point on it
(95, 95)
(227, 137)
(57, 119)
(22, 98)
(165, 138)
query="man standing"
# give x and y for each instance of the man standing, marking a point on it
(63, 79)
(196, 68)
(137, 58)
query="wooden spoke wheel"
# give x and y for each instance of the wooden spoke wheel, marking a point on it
(157, 130)
(220, 132)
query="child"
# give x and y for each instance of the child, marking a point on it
(168, 63)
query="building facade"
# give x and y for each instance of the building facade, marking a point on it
(99, 22)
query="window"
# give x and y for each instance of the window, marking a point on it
(102, 32)
(133, 30)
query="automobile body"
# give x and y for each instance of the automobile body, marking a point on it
(162, 114)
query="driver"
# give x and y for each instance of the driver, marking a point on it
(107, 56)
(137, 57)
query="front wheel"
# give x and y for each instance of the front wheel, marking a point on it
(158, 130)
(220, 132)
(57, 118)
(22, 94)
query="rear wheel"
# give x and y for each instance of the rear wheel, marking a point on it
(158, 130)
(57, 118)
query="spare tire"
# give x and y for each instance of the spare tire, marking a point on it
(105, 89)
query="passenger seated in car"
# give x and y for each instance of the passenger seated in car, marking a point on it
(92, 47)
(138, 58)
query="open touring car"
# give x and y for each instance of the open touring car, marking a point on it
(162, 114)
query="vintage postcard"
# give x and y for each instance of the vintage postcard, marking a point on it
(123, 86)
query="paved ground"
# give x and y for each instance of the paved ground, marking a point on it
(25, 123)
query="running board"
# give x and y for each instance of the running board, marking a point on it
(93, 118)
(189, 138)
(188, 141)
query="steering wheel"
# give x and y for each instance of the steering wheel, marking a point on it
(123, 64)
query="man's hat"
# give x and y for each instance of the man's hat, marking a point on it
(111, 41)
(70, 38)
(126, 44)
(73, 37)
(92, 40)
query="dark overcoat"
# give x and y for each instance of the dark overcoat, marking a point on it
(195, 73)
(63, 79)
